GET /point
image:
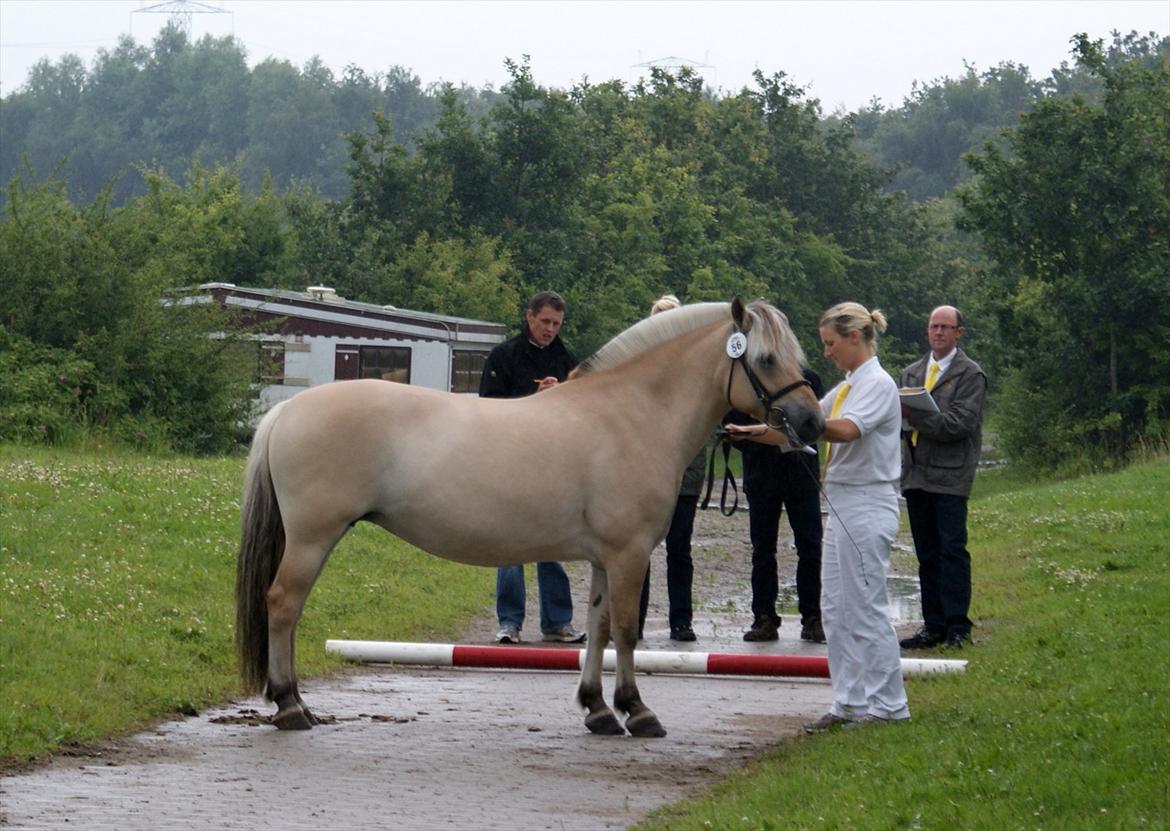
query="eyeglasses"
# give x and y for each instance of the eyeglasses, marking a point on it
(941, 327)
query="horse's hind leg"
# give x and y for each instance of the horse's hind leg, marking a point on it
(600, 719)
(286, 600)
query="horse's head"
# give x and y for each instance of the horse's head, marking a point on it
(771, 385)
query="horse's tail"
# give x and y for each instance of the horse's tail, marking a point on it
(261, 547)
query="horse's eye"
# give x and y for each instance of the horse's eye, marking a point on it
(766, 361)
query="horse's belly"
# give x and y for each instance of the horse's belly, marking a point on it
(483, 529)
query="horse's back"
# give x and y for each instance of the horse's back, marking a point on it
(466, 478)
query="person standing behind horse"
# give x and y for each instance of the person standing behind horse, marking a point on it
(939, 458)
(533, 361)
(776, 480)
(679, 566)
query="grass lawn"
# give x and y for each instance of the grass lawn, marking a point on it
(117, 580)
(1061, 720)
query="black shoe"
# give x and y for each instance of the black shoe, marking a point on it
(812, 630)
(922, 639)
(682, 633)
(764, 629)
(957, 640)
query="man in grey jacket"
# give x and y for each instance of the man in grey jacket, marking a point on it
(939, 456)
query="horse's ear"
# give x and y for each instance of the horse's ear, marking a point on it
(739, 313)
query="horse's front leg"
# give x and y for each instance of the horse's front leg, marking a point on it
(625, 588)
(600, 718)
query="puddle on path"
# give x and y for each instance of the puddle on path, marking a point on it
(905, 599)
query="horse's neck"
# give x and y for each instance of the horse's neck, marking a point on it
(681, 384)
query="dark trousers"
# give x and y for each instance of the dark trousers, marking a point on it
(804, 517)
(680, 569)
(938, 522)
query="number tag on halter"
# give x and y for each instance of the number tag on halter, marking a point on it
(736, 345)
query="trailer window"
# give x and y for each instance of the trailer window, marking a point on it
(389, 363)
(466, 370)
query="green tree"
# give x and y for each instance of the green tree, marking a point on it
(83, 302)
(467, 279)
(925, 139)
(1077, 225)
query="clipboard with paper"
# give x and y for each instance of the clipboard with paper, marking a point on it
(917, 398)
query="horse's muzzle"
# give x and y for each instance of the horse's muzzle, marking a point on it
(808, 423)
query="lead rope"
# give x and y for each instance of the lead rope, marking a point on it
(821, 488)
(728, 478)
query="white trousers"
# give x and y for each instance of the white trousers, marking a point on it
(865, 663)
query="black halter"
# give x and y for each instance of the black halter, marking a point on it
(774, 416)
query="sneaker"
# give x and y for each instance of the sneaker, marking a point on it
(764, 629)
(683, 634)
(812, 630)
(508, 634)
(829, 721)
(865, 721)
(922, 639)
(564, 634)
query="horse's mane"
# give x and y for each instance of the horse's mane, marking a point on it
(651, 331)
(662, 327)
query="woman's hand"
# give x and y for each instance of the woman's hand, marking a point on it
(744, 431)
(761, 433)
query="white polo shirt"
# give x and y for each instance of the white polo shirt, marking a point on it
(872, 404)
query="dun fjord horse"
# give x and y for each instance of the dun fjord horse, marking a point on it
(588, 470)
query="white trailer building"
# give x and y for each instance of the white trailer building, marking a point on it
(315, 337)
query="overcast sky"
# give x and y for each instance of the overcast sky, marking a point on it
(845, 51)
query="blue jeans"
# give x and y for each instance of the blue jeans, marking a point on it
(556, 600)
(938, 522)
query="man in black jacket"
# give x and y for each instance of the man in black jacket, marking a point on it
(533, 361)
(775, 481)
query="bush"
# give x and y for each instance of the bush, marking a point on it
(45, 391)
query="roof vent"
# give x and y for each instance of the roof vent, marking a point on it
(323, 293)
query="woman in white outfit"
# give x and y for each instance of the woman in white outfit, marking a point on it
(863, 466)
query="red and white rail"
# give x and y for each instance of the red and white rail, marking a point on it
(561, 658)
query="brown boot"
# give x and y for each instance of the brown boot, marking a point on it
(812, 630)
(764, 629)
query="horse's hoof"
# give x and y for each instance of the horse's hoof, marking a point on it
(294, 718)
(645, 725)
(604, 723)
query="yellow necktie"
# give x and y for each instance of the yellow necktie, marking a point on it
(834, 413)
(931, 377)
